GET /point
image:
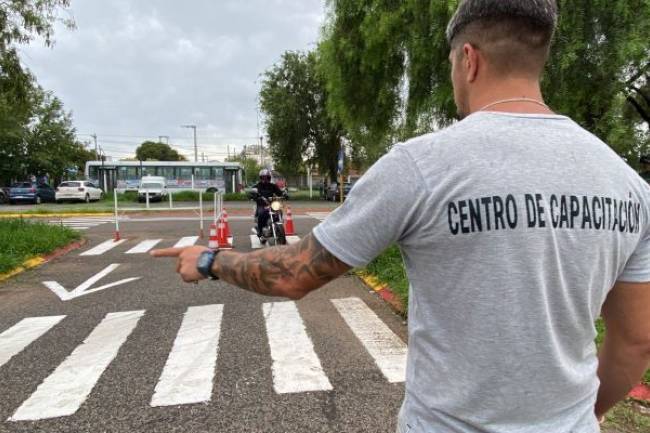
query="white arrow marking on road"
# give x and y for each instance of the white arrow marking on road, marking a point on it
(83, 288)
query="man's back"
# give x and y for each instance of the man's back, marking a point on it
(513, 229)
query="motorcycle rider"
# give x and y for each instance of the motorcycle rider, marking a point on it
(265, 190)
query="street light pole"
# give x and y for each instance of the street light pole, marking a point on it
(196, 150)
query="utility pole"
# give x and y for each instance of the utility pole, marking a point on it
(94, 136)
(228, 152)
(202, 157)
(196, 150)
(262, 151)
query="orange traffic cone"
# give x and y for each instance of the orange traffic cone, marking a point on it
(288, 224)
(117, 236)
(224, 218)
(213, 243)
(222, 238)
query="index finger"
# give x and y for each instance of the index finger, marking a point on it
(167, 252)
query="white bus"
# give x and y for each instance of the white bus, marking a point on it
(180, 175)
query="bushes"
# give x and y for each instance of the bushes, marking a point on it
(22, 239)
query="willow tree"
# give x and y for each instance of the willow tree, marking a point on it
(388, 76)
(299, 127)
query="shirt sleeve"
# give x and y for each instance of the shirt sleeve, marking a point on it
(379, 210)
(637, 268)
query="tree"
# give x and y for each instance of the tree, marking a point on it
(387, 73)
(22, 20)
(293, 98)
(250, 165)
(156, 151)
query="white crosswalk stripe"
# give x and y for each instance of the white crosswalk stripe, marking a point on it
(189, 372)
(386, 348)
(320, 216)
(187, 241)
(144, 246)
(65, 390)
(188, 375)
(296, 367)
(256, 244)
(21, 335)
(103, 247)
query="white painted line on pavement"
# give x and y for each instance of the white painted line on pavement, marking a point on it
(103, 247)
(386, 348)
(23, 333)
(187, 241)
(189, 371)
(255, 242)
(293, 239)
(144, 246)
(296, 367)
(65, 390)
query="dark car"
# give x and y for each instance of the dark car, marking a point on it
(333, 192)
(31, 192)
(4, 194)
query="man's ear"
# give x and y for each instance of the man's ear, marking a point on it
(471, 62)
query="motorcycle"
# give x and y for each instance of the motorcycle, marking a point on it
(273, 231)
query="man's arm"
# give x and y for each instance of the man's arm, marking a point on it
(288, 271)
(625, 353)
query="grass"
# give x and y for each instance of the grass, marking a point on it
(21, 240)
(181, 196)
(389, 269)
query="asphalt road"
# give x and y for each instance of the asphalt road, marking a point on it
(319, 365)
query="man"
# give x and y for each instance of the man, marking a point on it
(265, 190)
(516, 226)
(645, 167)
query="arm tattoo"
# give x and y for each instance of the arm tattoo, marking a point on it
(291, 271)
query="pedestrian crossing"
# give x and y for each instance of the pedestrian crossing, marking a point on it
(320, 216)
(188, 375)
(146, 245)
(83, 223)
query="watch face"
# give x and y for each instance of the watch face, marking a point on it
(205, 262)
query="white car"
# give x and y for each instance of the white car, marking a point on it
(153, 186)
(78, 190)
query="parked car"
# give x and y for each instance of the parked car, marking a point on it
(333, 192)
(4, 195)
(155, 186)
(31, 192)
(78, 190)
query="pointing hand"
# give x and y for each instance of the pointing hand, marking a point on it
(187, 261)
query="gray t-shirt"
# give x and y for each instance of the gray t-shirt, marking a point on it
(513, 229)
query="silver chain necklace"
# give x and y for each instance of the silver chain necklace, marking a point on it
(504, 101)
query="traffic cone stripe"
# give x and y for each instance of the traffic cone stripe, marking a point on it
(288, 224)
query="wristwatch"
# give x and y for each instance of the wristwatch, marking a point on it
(204, 264)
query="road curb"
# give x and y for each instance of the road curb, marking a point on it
(39, 260)
(383, 291)
(641, 393)
(55, 215)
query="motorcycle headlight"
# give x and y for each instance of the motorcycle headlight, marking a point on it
(276, 206)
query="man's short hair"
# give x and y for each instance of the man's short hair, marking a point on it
(515, 35)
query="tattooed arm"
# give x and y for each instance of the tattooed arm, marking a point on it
(289, 271)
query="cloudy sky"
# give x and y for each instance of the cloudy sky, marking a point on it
(136, 70)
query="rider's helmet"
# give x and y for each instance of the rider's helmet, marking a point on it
(265, 175)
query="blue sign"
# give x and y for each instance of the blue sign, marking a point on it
(341, 163)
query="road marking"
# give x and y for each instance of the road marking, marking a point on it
(103, 247)
(296, 367)
(293, 239)
(65, 390)
(189, 371)
(83, 288)
(23, 333)
(187, 241)
(386, 348)
(81, 223)
(144, 246)
(255, 242)
(320, 216)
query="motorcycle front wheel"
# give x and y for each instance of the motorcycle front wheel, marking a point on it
(280, 237)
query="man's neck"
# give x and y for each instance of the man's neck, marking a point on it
(512, 96)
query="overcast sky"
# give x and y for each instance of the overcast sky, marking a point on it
(134, 70)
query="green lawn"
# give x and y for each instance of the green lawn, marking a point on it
(21, 240)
